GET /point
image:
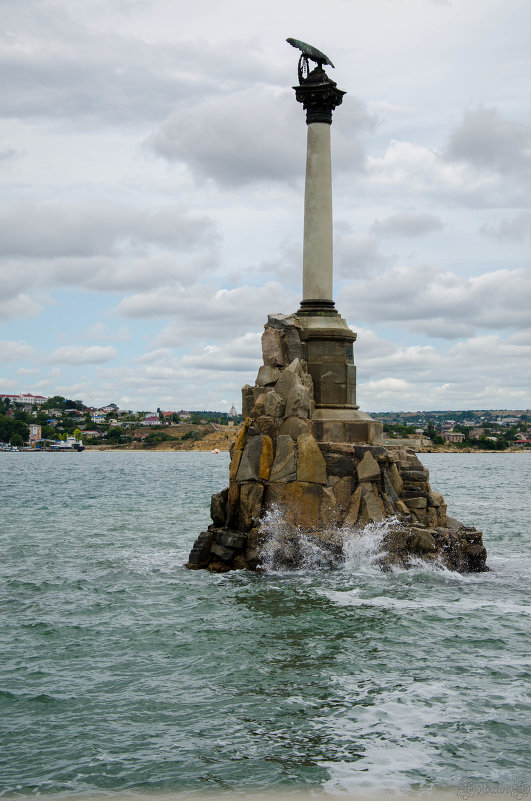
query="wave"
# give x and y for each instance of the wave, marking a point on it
(287, 547)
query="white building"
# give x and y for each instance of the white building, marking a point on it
(26, 398)
(151, 420)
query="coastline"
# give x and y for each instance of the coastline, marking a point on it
(224, 447)
(220, 440)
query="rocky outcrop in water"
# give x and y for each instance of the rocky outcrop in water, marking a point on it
(321, 492)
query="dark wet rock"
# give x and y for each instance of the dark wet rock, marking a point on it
(200, 553)
(221, 551)
(250, 506)
(339, 464)
(231, 539)
(218, 507)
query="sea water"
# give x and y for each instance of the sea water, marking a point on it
(121, 671)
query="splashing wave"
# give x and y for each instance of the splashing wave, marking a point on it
(287, 547)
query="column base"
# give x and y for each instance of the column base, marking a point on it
(312, 307)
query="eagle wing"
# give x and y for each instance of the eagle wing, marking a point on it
(310, 51)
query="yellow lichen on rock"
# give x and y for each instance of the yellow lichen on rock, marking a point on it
(267, 456)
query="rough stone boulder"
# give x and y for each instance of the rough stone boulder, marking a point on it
(321, 492)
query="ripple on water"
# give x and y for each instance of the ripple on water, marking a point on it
(122, 671)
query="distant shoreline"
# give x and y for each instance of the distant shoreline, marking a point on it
(192, 449)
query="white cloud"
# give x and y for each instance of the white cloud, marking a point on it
(99, 332)
(28, 371)
(474, 373)
(211, 314)
(242, 354)
(13, 351)
(422, 171)
(19, 306)
(80, 354)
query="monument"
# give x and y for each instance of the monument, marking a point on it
(306, 455)
(328, 341)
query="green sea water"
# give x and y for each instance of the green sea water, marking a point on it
(121, 671)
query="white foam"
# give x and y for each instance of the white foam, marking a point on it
(457, 605)
(383, 743)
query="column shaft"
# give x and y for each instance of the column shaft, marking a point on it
(318, 247)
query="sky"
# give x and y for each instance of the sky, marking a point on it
(152, 160)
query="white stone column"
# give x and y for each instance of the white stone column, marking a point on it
(317, 280)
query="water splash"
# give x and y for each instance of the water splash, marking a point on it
(364, 548)
(287, 547)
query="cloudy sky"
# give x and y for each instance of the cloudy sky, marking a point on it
(152, 162)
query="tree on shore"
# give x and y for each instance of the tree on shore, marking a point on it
(431, 432)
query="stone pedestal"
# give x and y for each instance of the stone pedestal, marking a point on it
(328, 349)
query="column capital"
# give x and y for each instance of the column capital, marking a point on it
(319, 96)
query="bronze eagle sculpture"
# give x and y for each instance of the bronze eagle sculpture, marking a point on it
(308, 52)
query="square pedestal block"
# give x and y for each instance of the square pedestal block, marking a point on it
(346, 425)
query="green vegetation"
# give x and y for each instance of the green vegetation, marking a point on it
(431, 432)
(398, 430)
(58, 402)
(10, 428)
(193, 435)
(156, 437)
(115, 436)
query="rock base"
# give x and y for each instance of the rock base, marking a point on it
(363, 485)
(321, 492)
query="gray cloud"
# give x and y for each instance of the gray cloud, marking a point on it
(47, 230)
(99, 246)
(407, 224)
(56, 66)
(254, 134)
(517, 228)
(488, 140)
(8, 154)
(356, 254)
(247, 136)
(441, 304)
